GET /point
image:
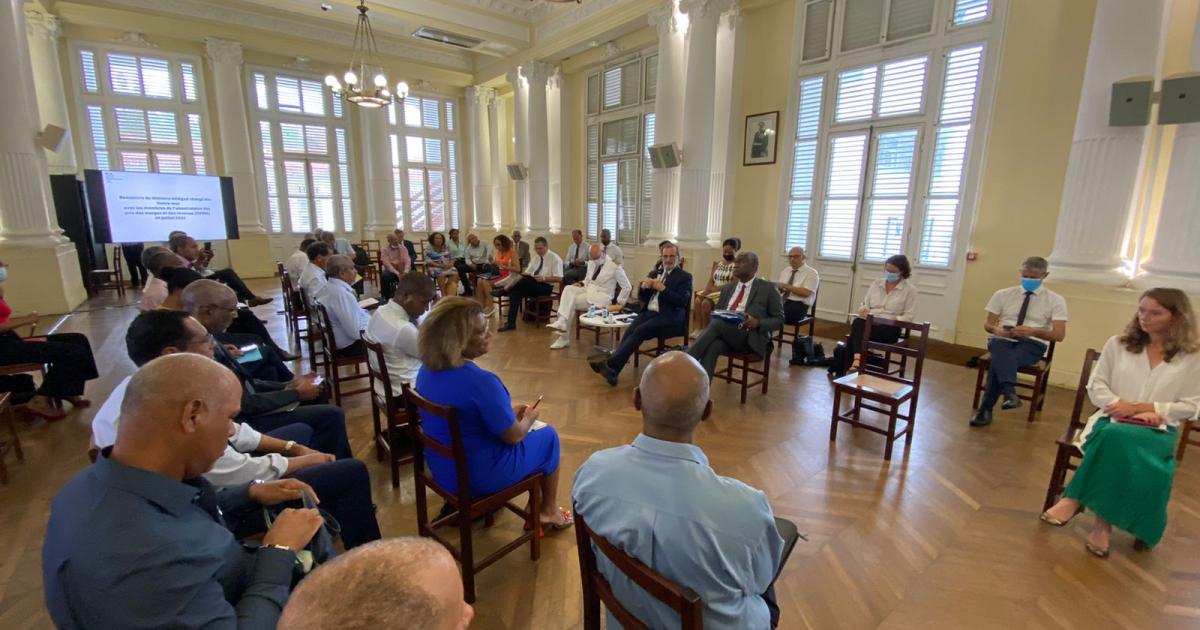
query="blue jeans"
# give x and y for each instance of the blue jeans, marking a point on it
(1007, 358)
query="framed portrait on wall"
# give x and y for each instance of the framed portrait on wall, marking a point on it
(760, 138)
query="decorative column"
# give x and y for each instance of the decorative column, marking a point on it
(668, 116)
(726, 125)
(500, 140)
(695, 174)
(1105, 162)
(479, 102)
(537, 151)
(377, 151)
(520, 143)
(557, 111)
(44, 268)
(43, 31)
(1175, 258)
(251, 253)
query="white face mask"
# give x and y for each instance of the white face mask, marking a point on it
(3, 274)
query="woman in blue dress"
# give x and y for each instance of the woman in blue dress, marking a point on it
(499, 438)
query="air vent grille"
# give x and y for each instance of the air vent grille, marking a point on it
(446, 37)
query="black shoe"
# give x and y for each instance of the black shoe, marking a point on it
(287, 356)
(598, 366)
(610, 375)
(982, 417)
(1011, 401)
(506, 327)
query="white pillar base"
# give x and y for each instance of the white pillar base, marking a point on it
(45, 279)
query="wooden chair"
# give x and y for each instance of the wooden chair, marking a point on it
(744, 363)
(335, 363)
(810, 320)
(596, 589)
(24, 368)
(1070, 444)
(385, 404)
(465, 507)
(313, 334)
(6, 445)
(660, 344)
(1185, 438)
(878, 384)
(112, 278)
(373, 271)
(540, 309)
(1040, 372)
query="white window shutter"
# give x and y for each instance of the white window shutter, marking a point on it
(909, 18)
(123, 74)
(804, 161)
(963, 67)
(891, 187)
(856, 94)
(847, 156)
(902, 89)
(593, 94)
(87, 60)
(163, 129)
(188, 79)
(99, 139)
(971, 11)
(131, 125)
(608, 196)
(650, 87)
(862, 25)
(156, 78)
(344, 179)
(312, 98)
(260, 91)
(287, 95)
(818, 27)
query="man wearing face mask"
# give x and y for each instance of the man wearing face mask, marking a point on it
(1022, 321)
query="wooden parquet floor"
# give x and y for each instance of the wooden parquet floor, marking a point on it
(945, 536)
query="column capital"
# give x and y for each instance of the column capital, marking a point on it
(481, 95)
(701, 9)
(556, 81)
(734, 13)
(536, 73)
(663, 18)
(223, 51)
(513, 76)
(41, 25)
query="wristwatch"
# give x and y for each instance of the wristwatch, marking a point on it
(287, 447)
(283, 547)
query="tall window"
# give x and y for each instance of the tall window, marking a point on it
(141, 112)
(303, 147)
(425, 183)
(620, 130)
(880, 150)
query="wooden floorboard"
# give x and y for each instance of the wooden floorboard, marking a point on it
(944, 536)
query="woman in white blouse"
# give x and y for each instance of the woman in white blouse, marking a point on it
(889, 297)
(1149, 375)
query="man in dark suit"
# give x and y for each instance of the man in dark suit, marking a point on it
(758, 299)
(664, 297)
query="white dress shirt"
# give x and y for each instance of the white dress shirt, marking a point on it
(1172, 386)
(577, 252)
(652, 305)
(345, 315)
(744, 289)
(479, 255)
(613, 251)
(900, 304)
(312, 280)
(391, 327)
(1045, 308)
(806, 278)
(232, 468)
(600, 291)
(342, 247)
(551, 266)
(295, 265)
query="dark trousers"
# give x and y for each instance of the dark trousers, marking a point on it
(301, 433)
(69, 356)
(353, 350)
(133, 261)
(648, 325)
(387, 285)
(574, 274)
(794, 311)
(526, 287)
(1008, 357)
(721, 337)
(790, 536)
(247, 323)
(328, 424)
(464, 274)
(229, 278)
(344, 489)
(881, 334)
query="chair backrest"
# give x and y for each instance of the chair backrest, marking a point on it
(912, 350)
(419, 410)
(327, 334)
(681, 599)
(377, 373)
(1049, 356)
(1078, 419)
(117, 259)
(370, 246)
(279, 268)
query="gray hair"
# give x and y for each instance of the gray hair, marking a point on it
(750, 256)
(203, 293)
(1036, 263)
(335, 265)
(797, 249)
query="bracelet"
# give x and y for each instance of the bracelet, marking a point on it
(287, 447)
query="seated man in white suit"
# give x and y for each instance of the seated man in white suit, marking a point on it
(598, 287)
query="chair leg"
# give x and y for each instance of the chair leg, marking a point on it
(379, 455)
(766, 373)
(745, 365)
(1035, 402)
(891, 436)
(1060, 467)
(833, 424)
(467, 555)
(1183, 441)
(978, 386)
(535, 507)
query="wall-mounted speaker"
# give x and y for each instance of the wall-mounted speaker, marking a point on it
(1130, 104)
(665, 156)
(1180, 102)
(517, 172)
(51, 137)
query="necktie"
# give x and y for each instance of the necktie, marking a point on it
(737, 299)
(597, 271)
(791, 280)
(541, 261)
(577, 252)
(1024, 308)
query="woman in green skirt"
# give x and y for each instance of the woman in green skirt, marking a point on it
(1146, 383)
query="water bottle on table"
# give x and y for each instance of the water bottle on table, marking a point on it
(591, 310)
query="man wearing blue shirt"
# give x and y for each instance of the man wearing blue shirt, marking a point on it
(341, 304)
(660, 502)
(138, 540)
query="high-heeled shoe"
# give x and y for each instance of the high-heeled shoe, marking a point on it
(1050, 520)
(1096, 550)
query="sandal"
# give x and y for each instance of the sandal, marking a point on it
(79, 401)
(1050, 520)
(1095, 550)
(568, 521)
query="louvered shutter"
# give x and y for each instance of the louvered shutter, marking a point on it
(344, 196)
(855, 94)
(902, 88)
(847, 157)
(971, 11)
(804, 161)
(818, 27)
(909, 18)
(862, 25)
(891, 188)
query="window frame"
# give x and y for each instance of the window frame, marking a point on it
(451, 167)
(108, 101)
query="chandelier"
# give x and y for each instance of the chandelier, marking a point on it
(362, 64)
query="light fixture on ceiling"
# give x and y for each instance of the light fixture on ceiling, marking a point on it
(363, 62)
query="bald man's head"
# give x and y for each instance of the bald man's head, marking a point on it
(184, 419)
(211, 302)
(418, 575)
(673, 397)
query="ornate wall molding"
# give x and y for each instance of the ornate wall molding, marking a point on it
(223, 51)
(133, 38)
(567, 17)
(41, 25)
(536, 73)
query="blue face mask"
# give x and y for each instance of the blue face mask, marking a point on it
(3, 274)
(891, 276)
(1031, 284)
